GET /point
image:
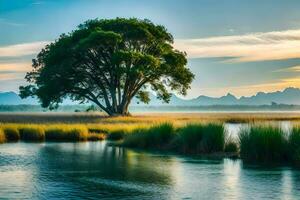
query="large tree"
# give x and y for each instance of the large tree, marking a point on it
(108, 62)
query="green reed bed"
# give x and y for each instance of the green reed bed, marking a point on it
(200, 138)
(263, 144)
(189, 139)
(2, 137)
(32, 134)
(71, 134)
(11, 134)
(294, 146)
(158, 136)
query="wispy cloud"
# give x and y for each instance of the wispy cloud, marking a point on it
(276, 45)
(4, 21)
(249, 90)
(22, 49)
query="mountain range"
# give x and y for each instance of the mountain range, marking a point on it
(289, 96)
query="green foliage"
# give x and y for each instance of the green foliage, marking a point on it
(200, 138)
(231, 147)
(32, 134)
(95, 137)
(11, 134)
(294, 146)
(264, 144)
(158, 136)
(108, 62)
(116, 135)
(73, 135)
(2, 137)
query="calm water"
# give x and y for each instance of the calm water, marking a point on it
(96, 170)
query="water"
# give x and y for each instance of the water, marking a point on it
(95, 170)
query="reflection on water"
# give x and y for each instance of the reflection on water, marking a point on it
(96, 170)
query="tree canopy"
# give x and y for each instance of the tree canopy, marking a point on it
(108, 62)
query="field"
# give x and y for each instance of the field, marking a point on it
(188, 133)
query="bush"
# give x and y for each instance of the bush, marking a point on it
(12, 134)
(266, 144)
(158, 136)
(32, 134)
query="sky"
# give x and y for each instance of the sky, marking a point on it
(233, 46)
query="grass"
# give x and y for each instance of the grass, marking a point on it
(294, 146)
(158, 136)
(2, 137)
(32, 134)
(263, 144)
(200, 138)
(11, 134)
(199, 133)
(189, 139)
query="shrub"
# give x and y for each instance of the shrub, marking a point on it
(265, 144)
(158, 136)
(32, 134)
(12, 134)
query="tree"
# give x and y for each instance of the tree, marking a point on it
(108, 62)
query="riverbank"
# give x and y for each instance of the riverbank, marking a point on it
(261, 140)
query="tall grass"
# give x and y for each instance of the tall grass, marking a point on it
(11, 134)
(158, 136)
(264, 144)
(32, 134)
(67, 134)
(192, 138)
(200, 138)
(294, 146)
(2, 136)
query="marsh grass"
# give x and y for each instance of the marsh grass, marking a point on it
(32, 134)
(116, 134)
(158, 136)
(294, 146)
(11, 134)
(200, 138)
(67, 134)
(2, 137)
(263, 144)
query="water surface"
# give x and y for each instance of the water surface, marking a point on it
(96, 170)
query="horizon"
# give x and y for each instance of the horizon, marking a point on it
(192, 98)
(226, 51)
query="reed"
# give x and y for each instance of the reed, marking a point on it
(11, 134)
(263, 144)
(32, 134)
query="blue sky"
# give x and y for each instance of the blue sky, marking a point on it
(236, 46)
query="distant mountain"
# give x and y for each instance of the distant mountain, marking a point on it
(289, 96)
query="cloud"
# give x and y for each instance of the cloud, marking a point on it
(17, 67)
(278, 45)
(10, 23)
(22, 49)
(290, 69)
(249, 90)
